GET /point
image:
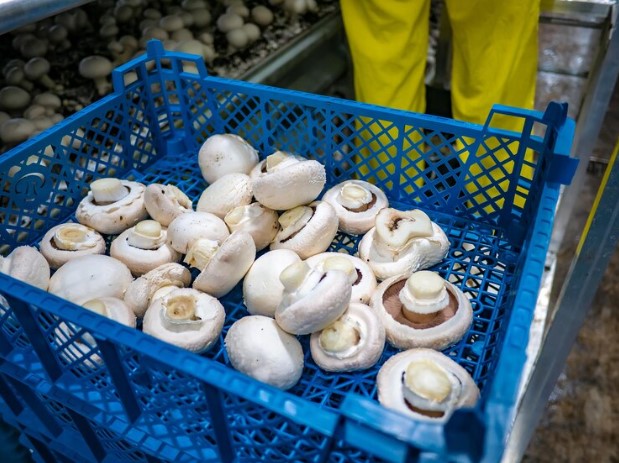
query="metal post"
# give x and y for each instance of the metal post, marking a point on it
(595, 249)
(18, 13)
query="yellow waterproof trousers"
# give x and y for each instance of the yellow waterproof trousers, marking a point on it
(494, 57)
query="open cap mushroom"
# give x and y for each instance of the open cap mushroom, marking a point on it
(186, 318)
(355, 341)
(259, 221)
(144, 290)
(284, 181)
(189, 227)
(312, 300)
(68, 241)
(226, 193)
(165, 202)
(425, 384)
(356, 204)
(27, 264)
(143, 248)
(90, 277)
(225, 154)
(112, 205)
(223, 265)
(258, 347)
(262, 289)
(360, 274)
(422, 310)
(402, 242)
(307, 230)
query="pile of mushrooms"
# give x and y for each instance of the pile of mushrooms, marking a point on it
(347, 305)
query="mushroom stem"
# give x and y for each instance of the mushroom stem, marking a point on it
(108, 190)
(278, 159)
(395, 228)
(74, 237)
(354, 196)
(294, 220)
(343, 264)
(423, 296)
(429, 388)
(147, 234)
(97, 306)
(201, 253)
(294, 275)
(181, 308)
(339, 337)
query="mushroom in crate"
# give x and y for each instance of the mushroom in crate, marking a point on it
(258, 347)
(356, 204)
(355, 341)
(165, 202)
(422, 310)
(68, 241)
(223, 154)
(27, 264)
(402, 242)
(112, 205)
(226, 193)
(425, 384)
(186, 318)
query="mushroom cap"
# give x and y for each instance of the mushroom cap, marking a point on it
(262, 290)
(138, 260)
(353, 220)
(115, 217)
(48, 100)
(391, 374)
(291, 185)
(318, 303)
(93, 67)
(259, 348)
(16, 130)
(13, 98)
(165, 202)
(226, 193)
(262, 15)
(404, 335)
(57, 257)
(225, 154)
(316, 236)
(228, 266)
(90, 277)
(237, 38)
(36, 67)
(368, 350)
(196, 336)
(365, 284)
(229, 21)
(418, 254)
(259, 221)
(140, 292)
(27, 264)
(189, 227)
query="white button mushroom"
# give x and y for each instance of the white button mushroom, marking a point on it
(27, 264)
(225, 154)
(15, 131)
(260, 222)
(112, 205)
(90, 277)
(284, 181)
(307, 230)
(355, 341)
(165, 202)
(312, 300)
(259, 348)
(262, 15)
(251, 31)
(237, 38)
(228, 22)
(144, 290)
(13, 98)
(262, 289)
(143, 247)
(360, 274)
(226, 193)
(425, 384)
(97, 68)
(356, 204)
(68, 241)
(36, 69)
(422, 310)
(402, 242)
(186, 318)
(221, 266)
(189, 227)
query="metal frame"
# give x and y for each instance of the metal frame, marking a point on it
(18, 13)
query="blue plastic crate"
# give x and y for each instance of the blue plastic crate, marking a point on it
(168, 404)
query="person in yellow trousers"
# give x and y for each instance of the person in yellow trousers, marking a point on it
(494, 59)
